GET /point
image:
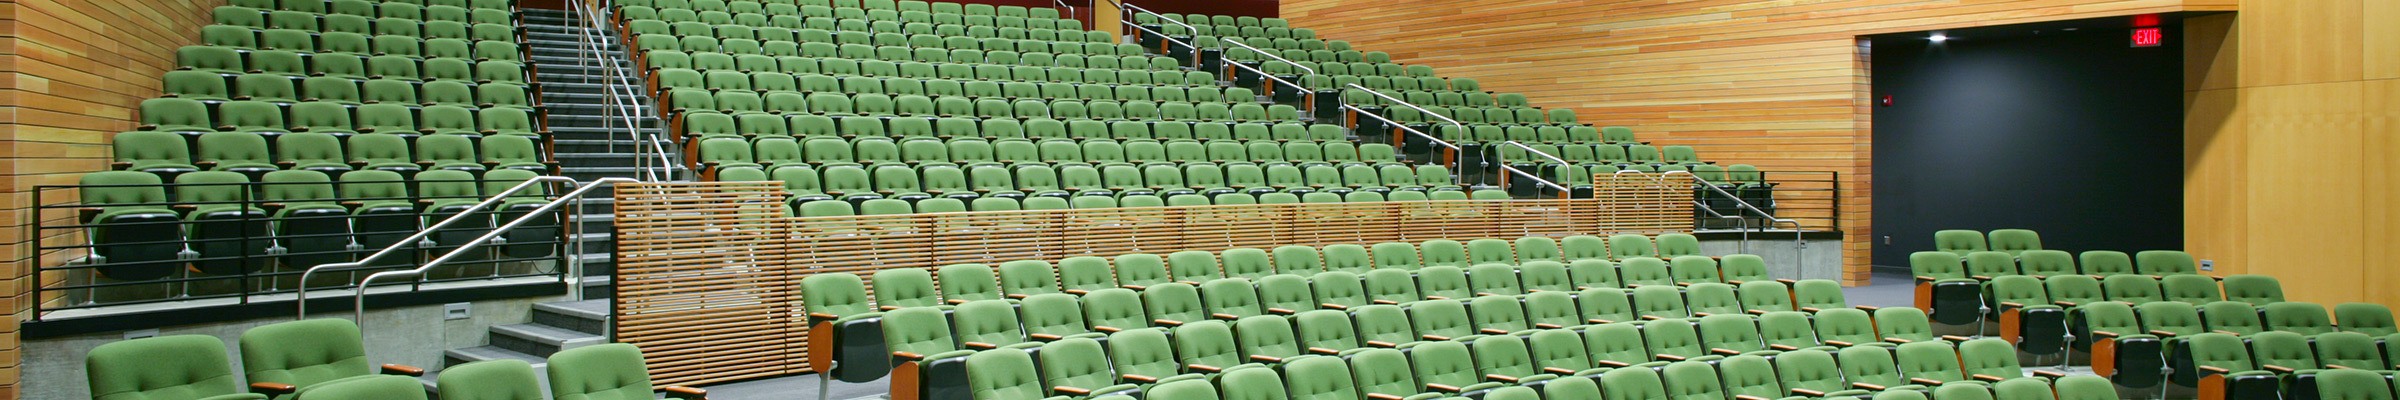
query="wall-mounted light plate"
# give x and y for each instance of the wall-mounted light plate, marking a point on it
(141, 334)
(454, 311)
(2208, 265)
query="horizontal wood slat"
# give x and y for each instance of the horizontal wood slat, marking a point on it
(708, 273)
(1777, 84)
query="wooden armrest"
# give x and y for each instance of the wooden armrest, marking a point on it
(2216, 331)
(1499, 377)
(1546, 325)
(823, 315)
(1783, 347)
(1987, 377)
(1747, 397)
(2214, 369)
(1557, 370)
(908, 355)
(271, 389)
(1109, 329)
(684, 393)
(1333, 306)
(1266, 358)
(1045, 336)
(1386, 302)
(1809, 392)
(1380, 396)
(1326, 351)
(2105, 334)
(1280, 310)
(1167, 322)
(1598, 321)
(1379, 343)
(1442, 387)
(980, 345)
(1140, 378)
(1838, 343)
(1670, 357)
(1868, 386)
(1925, 381)
(1204, 368)
(1956, 338)
(2337, 366)
(1612, 363)
(1071, 389)
(2161, 333)
(397, 369)
(1896, 340)
(1224, 316)
(1730, 352)
(1436, 337)
(2278, 368)
(1493, 331)
(2049, 373)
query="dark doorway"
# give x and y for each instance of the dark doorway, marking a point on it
(2063, 128)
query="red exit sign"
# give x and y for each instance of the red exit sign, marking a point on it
(2148, 37)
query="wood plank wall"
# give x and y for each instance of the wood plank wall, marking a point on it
(1778, 84)
(2289, 146)
(73, 74)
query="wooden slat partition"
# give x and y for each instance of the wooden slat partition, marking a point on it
(708, 272)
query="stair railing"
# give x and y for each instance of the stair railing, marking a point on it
(1799, 244)
(1563, 191)
(1130, 9)
(651, 162)
(572, 220)
(1456, 173)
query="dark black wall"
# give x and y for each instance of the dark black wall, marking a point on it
(2077, 135)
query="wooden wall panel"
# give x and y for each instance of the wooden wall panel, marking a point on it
(2289, 150)
(1778, 84)
(75, 72)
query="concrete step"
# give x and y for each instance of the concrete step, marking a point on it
(587, 316)
(454, 357)
(541, 340)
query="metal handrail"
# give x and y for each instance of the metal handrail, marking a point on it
(1195, 31)
(1563, 191)
(618, 85)
(1169, 39)
(1063, 3)
(1455, 179)
(1462, 127)
(1529, 149)
(359, 300)
(420, 235)
(1799, 243)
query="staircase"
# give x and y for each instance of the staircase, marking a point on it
(588, 148)
(554, 327)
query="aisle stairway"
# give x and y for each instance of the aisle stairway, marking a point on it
(587, 147)
(552, 327)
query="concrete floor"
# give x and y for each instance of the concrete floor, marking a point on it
(1891, 289)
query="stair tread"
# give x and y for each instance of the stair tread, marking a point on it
(592, 309)
(546, 334)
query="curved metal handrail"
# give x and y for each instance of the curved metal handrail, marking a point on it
(1530, 149)
(1799, 242)
(1196, 30)
(454, 218)
(1455, 178)
(619, 86)
(1462, 127)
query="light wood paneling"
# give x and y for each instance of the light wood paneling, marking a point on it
(2294, 42)
(75, 72)
(2382, 182)
(2304, 217)
(708, 272)
(1778, 84)
(2215, 179)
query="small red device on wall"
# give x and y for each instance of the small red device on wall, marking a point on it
(2148, 37)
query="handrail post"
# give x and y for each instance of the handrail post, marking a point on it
(360, 299)
(472, 210)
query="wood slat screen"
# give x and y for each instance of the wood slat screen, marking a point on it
(709, 273)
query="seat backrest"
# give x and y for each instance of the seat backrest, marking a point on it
(1786, 330)
(1744, 268)
(2349, 350)
(2352, 385)
(1085, 274)
(2084, 387)
(1444, 253)
(1383, 371)
(1659, 302)
(1300, 260)
(1903, 323)
(1673, 338)
(1251, 384)
(304, 352)
(1141, 270)
(2367, 318)
(1645, 271)
(1440, 319)
(1444, 282)
(2046, 263)
(1628, 246)
(1503, 355)
(1707, 299)
(1870, 365)
(836, 294)
(2282, 349)
(160, 368)
(1143, 352)
(1319, 378)
(1004, 375)
(1593, 273)
(1246, 263)
(1846, 326)
(605, 371)
(1208, 344)
(1933, 360)
(1987, 264)
(2253, 289)
(2173, 317)
(1766, 296)
(2131, 288)
(1748, 375)
(2220, 351)
(1022, 278)
(1173, 303)
(920, 330)
(1632, 383)
(1937, 265)
(1737, 333)
(1348, 257)
(1076, 363)
(2106, 262)
(1443, 363)
(378, 387)
(1051, 316)
(2165, 262)
(1230, 298)
(2189, 288)
(1617, 344)
(2300, 317)
(2014, 241)
(1494, 279)
(1958, 241)
(904, 287)
(1809, 369)
(984, 324)
(1193, 266)
(1605, 305)
(1694, 269)
(1289, 293)
(1538, 248)
(490, 380)
(1692, 380)
(1815, 295)
(1583, 247)
(1114, 309)
(1395, 255)
(962, 283)
(2072, 290)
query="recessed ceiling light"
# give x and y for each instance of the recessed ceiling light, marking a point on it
(1938, 38)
